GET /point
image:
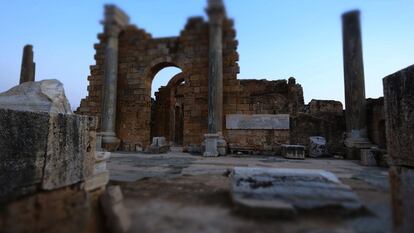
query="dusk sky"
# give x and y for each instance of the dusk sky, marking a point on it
(277, 39)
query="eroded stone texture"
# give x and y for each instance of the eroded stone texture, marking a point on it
(42, 96)
(325, 106)
(44, 150)
(23, 142)
(159, 146)
(317, 147)
(285, 191)
(399, 105)
(70, 153)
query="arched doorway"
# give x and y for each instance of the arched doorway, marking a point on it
(167, 105)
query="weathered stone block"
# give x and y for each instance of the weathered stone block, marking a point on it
(70, 151)
(287, 191)
(259, 121)
(42, 96)
(211, 143)
(399, 114)
(23, 141)
(317, 147)
(293, 151)
(402, 190)
(44, 150)
(159, 146)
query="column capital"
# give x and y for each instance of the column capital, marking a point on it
(114, 20)
(216, 11)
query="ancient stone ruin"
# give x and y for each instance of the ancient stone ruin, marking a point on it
(211, 152)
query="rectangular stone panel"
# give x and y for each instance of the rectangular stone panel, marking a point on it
(258, 121)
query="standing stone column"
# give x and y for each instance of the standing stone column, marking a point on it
(213, 139)
(114, 21)
(399, 115)
(27, 72)
(355, 103)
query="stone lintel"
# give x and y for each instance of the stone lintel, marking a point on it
(258, 121)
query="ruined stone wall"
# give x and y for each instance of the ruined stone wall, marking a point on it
(376, 122)
(141, 57)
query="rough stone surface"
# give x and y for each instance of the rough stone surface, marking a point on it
(399, 105)
(293, 151)
(70, 152)
(402, 189)
(159, 146)
(44, 150)
(117, 216)
(23, 143)
(64, 210)
(301, 188)
(42, 96)
(317, 147)
(325, 106)
(257, 121)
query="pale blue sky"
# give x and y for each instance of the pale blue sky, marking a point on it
(277, 39)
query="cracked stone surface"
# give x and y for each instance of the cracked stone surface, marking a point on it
(178, 192)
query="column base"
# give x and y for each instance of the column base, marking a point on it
(109, 141)
(354, 147)
(215, 145)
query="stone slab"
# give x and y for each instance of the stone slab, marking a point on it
(293, 151)
(317, 147)
(259, 121)
(304, 189)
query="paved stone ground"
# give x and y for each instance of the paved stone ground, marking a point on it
(178, 192)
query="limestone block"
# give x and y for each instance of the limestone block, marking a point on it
(259, 121)
(159, 146)
(293, 151)
(287, 191)
(117, 216)
(23, 139)
(211, 143)
(42, 96)
(402, 189)
(399, 114)
(70, 152)
(97, 181)
(317, 147)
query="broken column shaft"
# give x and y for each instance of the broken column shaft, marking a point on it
(27, 72)
(355, 104)
(115, 20)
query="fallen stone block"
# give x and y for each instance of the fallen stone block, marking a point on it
(159, 146)
(285, 192)
(117, 217)
(293, 151)
(317, 147)
(42, 96)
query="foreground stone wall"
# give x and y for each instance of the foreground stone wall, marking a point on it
(46, 159)
(399, 105)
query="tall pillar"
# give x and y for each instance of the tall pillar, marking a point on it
(355, 103)
(213, 140)
(114, 21)
(27, 72)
